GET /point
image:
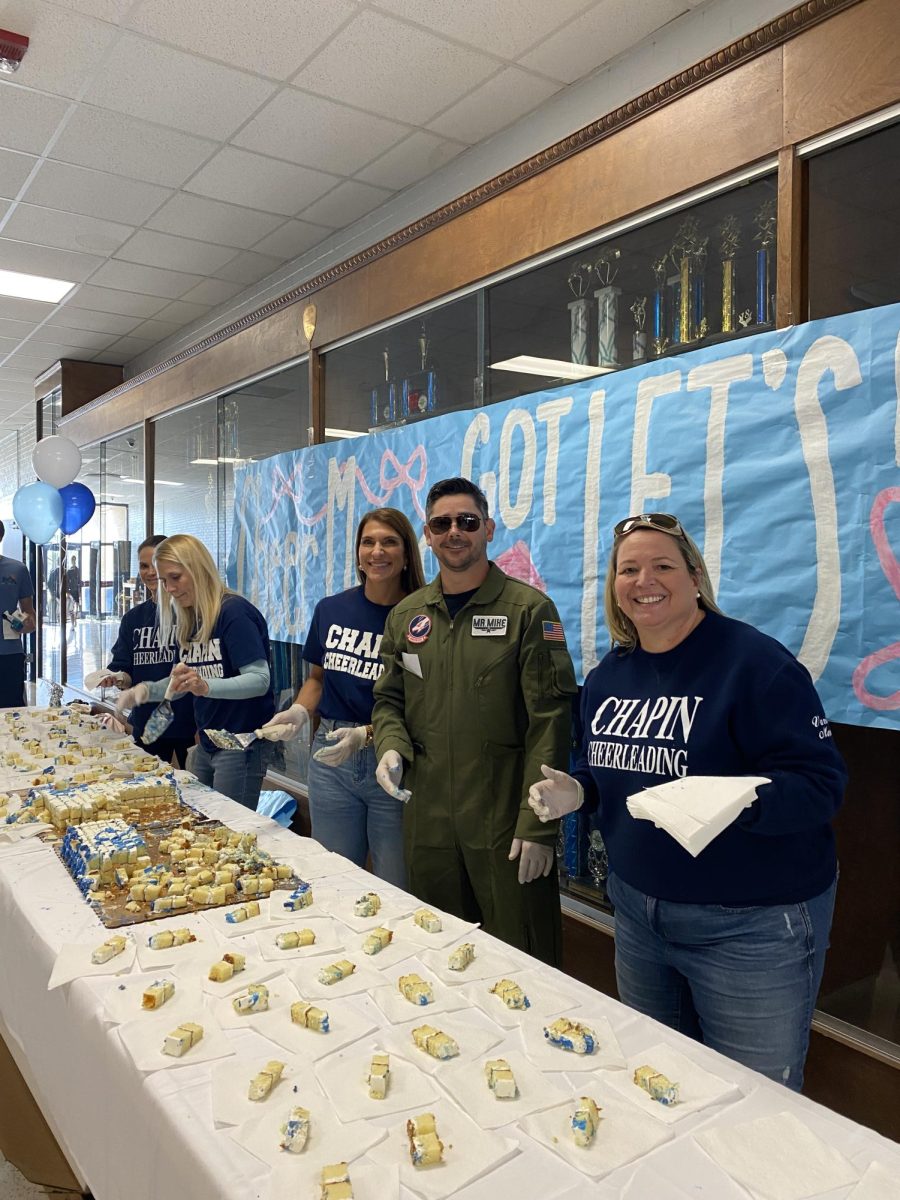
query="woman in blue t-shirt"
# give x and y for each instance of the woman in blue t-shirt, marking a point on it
(222, 641)
(139, 656)
(350, 812)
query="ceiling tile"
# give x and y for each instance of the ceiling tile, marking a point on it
(211, 292)
(24, 310)
(348, 202)
(257, 182)
(42, 260)
(211, 220)
(605, 31)
(75, 340)
(29, 118)
(292, 239)
(199, 97)
(317, 132)
(271, 38)
(182, 312)
(65, 48)
(104, 10)
(111, 141)
(505, 29)
(132, 277)
(47, 227)
(94, 193)
(175, 253)
(15, 330)
(248, 267)
(109, 300)
(111, 358)
(83, 318)
(14, 170)
(154, 331)
(494, 105)
(420, 155)
(384, 66)
(129, 347)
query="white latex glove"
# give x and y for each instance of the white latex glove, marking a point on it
(535, 860)
(105, 679)
(286, 726)
(555, 795)
(131, 697)
(389, 772)
(344, 742)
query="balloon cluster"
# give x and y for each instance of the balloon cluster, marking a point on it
(55, 501)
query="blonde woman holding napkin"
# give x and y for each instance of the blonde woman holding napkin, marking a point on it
(727, 946)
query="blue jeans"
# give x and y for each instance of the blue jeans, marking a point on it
(742, 980)
(352, 814)
(237, 774)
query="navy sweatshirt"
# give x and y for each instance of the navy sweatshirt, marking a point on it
(728, 700)
(137, 650)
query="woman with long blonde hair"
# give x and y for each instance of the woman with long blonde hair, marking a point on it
(222, 642)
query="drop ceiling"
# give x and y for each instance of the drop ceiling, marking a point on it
(165, 154)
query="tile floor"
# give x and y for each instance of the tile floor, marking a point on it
(14, 1186)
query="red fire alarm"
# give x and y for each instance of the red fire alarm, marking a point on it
(12, 50)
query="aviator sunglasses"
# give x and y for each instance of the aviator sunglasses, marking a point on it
(465, 523)
(664, 522)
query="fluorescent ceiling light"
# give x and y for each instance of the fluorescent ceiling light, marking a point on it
(33, 287)
(550, 368)
(342, 433)
(164, 482)
(205, 462)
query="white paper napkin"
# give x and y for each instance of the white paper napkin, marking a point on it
(222, 927)
(469, 1152)
(143, 1039)
(323, 897)
(452, 930)
(343, 1078)
(312, 866)
(293, 1176)
(329, 1140)
(328, 938)
(396, 951)
(624, 1135)
(393, 907)
(487, 964)
(777, 1158)
(399, 1010)
(346, 1025)
(467, 1084)
(74, 960)
(231, 1083)
(153, 960)
(196, 971)
(543, 997)
(122, 999)
(696, 809)
(282, 995)
(547, 1057)
(880, 1182)
(698, 1088)
(474, 1039)
(305, 974)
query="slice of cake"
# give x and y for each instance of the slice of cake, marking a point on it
(292, 938)
(656, 1085)
(427, 920)
(435, 1042)
(367, 905)
(510, 993)
(585, 1121)
(254, 1000)
(306, 1014)
(500, 1079)
(111, 948)
(300, 897)
(425, 1147)
(262, 1083)
(243, 912)
(336, 1182)
(571, 1035)
(379, 1073)
(295, 1131)
(376, 941)
(415, 989)
(180, 1040)
(336, 971)
(461, 957)
(158, 993)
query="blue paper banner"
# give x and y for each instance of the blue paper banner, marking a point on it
(780, 453)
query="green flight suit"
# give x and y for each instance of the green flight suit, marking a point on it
(481, 703)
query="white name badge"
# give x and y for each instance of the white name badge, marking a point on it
(485, 626)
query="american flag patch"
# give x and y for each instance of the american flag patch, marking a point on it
(553, 631)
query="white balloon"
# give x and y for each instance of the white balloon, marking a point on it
(56, 460)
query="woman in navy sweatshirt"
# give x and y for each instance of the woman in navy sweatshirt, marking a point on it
(728, 947)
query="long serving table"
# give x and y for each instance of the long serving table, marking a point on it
(129, 1133)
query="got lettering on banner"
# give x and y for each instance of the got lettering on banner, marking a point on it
(780, 453)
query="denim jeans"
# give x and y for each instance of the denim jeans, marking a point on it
(742, 980)
(237, 774)
(352, 814)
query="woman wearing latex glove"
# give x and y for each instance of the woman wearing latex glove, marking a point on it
(555, 795)
(139, 656)
(350, 813)
(287, 725)
(132, 698)
(389, 773)
(535, 860)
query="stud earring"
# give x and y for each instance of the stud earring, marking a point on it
(698, 595)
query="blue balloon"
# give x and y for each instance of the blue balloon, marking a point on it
(78, 506)
(38, 509)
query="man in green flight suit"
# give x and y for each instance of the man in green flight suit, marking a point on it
(476, 694)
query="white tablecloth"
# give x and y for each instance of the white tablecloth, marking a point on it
(149, 1136)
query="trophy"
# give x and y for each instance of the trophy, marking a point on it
(688, 254)
(765, 219)
(639, 337)
(383, 397)
(419, 390)
(660, 341)
(729, 243)
(607, 298)
(579, 311)
(597, 860)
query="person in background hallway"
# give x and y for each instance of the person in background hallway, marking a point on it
(349, 810)
(139, 656)
(16, 592)
(476, 693)
(73, 589)
(222, 641)
(727, 947)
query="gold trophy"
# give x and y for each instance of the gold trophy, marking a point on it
(729, 242)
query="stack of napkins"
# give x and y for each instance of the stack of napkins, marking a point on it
(696, 809)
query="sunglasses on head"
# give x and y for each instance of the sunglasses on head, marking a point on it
(664, 522)
(465, 522)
